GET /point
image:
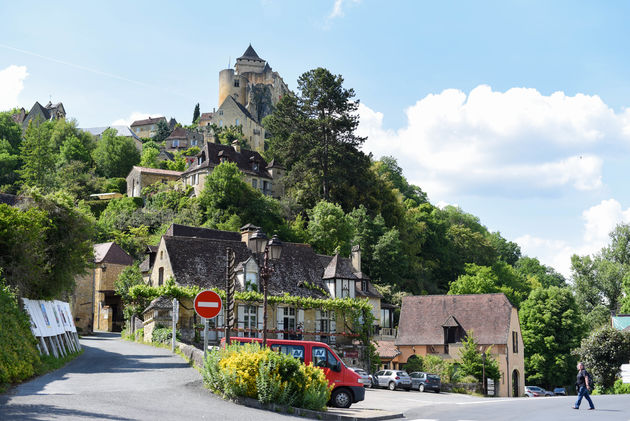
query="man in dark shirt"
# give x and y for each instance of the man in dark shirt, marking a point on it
(584, 387)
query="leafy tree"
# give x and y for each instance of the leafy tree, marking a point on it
(603, 352)
(313, 135)
(128, 278)
(115, 155)
(551, 324)
(10, 138)
(162, 132)
(149, 158)
(329, 230)
(545, 275)
(500, 277)
(414, 363)
(38, 153)
(388, 169)
(196, 114)
(471, 360)
(507, 251)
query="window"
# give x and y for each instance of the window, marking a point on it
(296, 351)
(254, 183)
(236, 122)
(323, 358)
(160, 276)
(249, 321)
(385, 318)
(193, 142)
(220, 123)
(288, 322)
(255, 166)
(236, 83)
(345, 288)
(220, 112)
(364, 285)
(515, 342)
(175, 143)
(161, 254)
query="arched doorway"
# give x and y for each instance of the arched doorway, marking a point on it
(515, 382)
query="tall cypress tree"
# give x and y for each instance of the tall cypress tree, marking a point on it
(196, 113)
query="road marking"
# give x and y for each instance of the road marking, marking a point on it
(207, 304)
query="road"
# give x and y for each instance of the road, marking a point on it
(455, 407)
(120, 380)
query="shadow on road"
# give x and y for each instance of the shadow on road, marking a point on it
(38, 412)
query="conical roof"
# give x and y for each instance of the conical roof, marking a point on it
(250, 53)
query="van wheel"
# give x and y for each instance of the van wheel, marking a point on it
(391, 386)
(341, 398)
(421, 388)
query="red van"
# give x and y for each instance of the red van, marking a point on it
(347, 387)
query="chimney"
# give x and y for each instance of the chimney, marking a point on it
(246, 232)
(236, 145)
(356, 258)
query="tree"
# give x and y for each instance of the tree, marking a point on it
(38, 154)
(162, 132)
(388, 169)
(471, 360)
(313, 135)
(10, 138)
(149, 158)
(196, 114)
(329, 230)
(507, 251)
(115, 155)
(603, 352)
(530, 267)
(551, 324)
(414, 363)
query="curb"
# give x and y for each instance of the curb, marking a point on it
(196, 358)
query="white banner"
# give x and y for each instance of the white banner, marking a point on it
(35, 321)
(55, 321)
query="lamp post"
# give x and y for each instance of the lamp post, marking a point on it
(483, 370)
(271, 250)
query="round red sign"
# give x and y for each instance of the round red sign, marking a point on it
(208, 304)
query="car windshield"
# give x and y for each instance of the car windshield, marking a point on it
(433, 377)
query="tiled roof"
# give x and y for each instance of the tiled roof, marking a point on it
(177, 230)
(213, 152)
(146, 170)
(160, 303)
(339, 268)
(178, 133)
(111, 253)
(386, 349)
(145, 266)
(147, 121)
(422, 318)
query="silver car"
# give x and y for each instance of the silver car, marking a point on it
(392, 379)
(365, 377)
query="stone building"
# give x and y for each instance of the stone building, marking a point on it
(247, 93)
(436, 325)
(146, 128)
(197, 256)
(95, 305)
(141, 177)
(40, 113)
(262, 176)
(181, 139)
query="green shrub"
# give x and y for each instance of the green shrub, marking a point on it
(620, 388)
(19, 357)
(265, 375)
(163, 335)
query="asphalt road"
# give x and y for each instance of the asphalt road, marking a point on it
(120, 380)
(455, 407)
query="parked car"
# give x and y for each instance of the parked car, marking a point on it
(346, 386)
(365, 378)
(560, 391)
(422, 381)
(392, 379)
(547, 392)
(534, 391)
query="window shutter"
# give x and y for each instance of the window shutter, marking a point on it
(220, 324)
(300, 322)
(333, 327)
(259, 321)
(241, 320)
(280, 319)
(318, 317)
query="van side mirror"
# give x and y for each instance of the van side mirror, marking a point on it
(337, 367)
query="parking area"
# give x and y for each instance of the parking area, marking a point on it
(402, 400)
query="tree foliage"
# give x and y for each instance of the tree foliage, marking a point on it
(471, 361)
(329, 229)
(115, 155)
(603, 352)
(551, 324)
(196, 114)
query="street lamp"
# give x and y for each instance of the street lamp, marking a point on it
(272, 250)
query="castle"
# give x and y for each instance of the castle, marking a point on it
(247, 93)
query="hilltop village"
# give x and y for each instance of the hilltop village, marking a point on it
(128, 218)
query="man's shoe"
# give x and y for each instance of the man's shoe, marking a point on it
(590, 409)
(575, 407)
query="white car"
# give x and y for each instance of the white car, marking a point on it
(366, 379)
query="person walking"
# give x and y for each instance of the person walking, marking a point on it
(584, 386)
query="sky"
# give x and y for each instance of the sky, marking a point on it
(515, 111)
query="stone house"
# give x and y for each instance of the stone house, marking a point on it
(40, 113)
(197, 256)
(262, 176)
(146, 128)
(141, 177)
(181, 139)
(95, 305)
(436, 325)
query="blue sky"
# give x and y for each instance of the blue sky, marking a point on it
(515, 111)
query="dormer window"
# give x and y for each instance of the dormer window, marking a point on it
(255, 166)
(364, 286)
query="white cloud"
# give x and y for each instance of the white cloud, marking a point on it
(136, 115)
(11, 84)
(514, 143)
(599, 221)
(337, 10)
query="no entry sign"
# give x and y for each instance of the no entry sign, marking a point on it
(208, 304)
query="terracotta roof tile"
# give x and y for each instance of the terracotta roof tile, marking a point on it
(386, 349)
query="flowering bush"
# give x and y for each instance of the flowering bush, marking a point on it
(251, 371)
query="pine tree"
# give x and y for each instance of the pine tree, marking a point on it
(196, 113)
